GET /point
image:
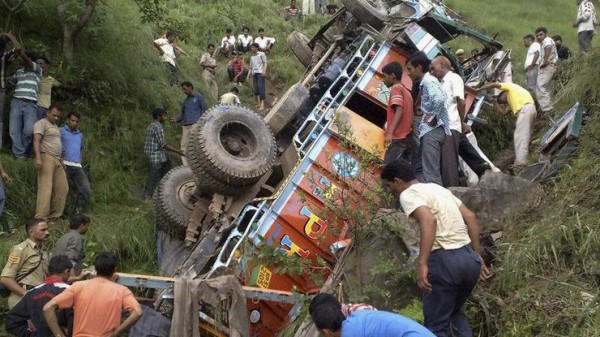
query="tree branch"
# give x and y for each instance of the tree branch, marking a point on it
(85, 16)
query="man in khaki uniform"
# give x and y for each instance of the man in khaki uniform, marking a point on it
(51, 177)
(209, 64)
(26, 258)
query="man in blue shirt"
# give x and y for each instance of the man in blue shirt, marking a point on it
(435, 125)
(72, 142)
(330, 321)
(193, 107)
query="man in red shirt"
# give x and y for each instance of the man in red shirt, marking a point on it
(399, 115)
(237, 69)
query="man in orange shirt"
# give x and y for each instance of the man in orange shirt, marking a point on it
(399, 115)
(99, 304)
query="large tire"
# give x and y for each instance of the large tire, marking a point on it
(174, 201)
(231, 144)
(287, 107)
(298, 42)
(371, 12)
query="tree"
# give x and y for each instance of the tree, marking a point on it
(14, 7)
(73, 18)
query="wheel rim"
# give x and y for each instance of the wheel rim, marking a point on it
(186, 195)
(238, 140)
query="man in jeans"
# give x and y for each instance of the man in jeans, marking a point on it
(53, 188)
(547, 68)
(449, 261)
(6, 58)
(532, 61)
(193, 107)
(23, 106)
(258, 70)
(155, 148)
(72, 142)
(434, 125)
(586, 18)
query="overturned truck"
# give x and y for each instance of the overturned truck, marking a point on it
(272, 184)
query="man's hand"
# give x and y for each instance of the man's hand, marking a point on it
(6, 177)
(543, 65)
(263, 74)
(38, 164)
(388, 137)
(575, 23)
(465, 128)
(422, 278)
(235, 78)
(485, 273)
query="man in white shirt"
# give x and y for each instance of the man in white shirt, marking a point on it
(532, 61)
(264, 43)
(244, 40)
(258, 71)
(547, 68)
(227, 43)
(449, 262)
(586, 18)
(166, 49)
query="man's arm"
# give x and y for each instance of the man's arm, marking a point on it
(37, 145)
(4, 174)
(428, 226)
(204, 64)
(489, 86)
(536, 56)
(169, 148)
(473, 230)
(50, 315)
(134, 314)
(158, 47)
(547, 51)
(12, 285)
(264, 70)
(394, 123)
(16, 319)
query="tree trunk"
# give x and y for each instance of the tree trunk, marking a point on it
(70, 30)
(68, 45)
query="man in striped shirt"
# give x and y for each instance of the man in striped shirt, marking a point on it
(23, 106)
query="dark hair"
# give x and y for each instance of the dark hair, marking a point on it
(322, 299)
(500, 94)
(169, 34)
(158, 112)
(529, 36)
(328, 316)
(58, 264)
(261, 29)
(210, 45)
(32, 223)
(419, 59)
(53, 106)
(73, 113)
(45, 59)
(234, 89)
(401, 169)
(106, 264)
(255, 45)
(557, 37)
(245, 28)
(187, 84)
(393, 68)
(78, 219)
(228, 30)
(541, 29)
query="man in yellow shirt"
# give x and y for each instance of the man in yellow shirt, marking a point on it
(45, 93)
(519, 101)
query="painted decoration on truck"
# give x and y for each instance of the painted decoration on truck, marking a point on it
(345, 165)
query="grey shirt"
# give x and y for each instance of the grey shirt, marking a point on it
(72, 244)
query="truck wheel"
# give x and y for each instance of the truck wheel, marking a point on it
(207, 185)
(174, 201)
(298, 42)
(231, 144)
(287, 107)
(371, 12)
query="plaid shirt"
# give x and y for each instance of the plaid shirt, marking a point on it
(155, 142)
(433, 104)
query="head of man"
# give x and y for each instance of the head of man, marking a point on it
(60, 266)
(417, 66)
(234, 90)
(557, 40)
(106, 264)
(53, 114)
(170, 37)
(475, 54)
(398, 176)
(159, 115)
(254, 48)
(502, 98)
(528, 40)
(392, 73)
(460, 55)
(187, 88)
(328, 318)
(322, 299)
(80, 223)
(210, 48)
(37, 230)
(245, 30)
(440, 66)
(44, 63)
(293, 3)
(541, 34)
(228, 32)
(73, 119)
(261, 32)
